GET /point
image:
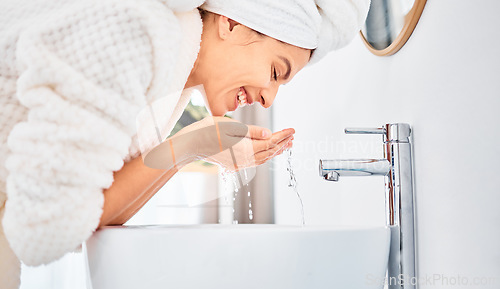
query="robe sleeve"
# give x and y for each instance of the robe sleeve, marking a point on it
(85, 75)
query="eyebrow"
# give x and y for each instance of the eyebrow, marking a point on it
(288, 67)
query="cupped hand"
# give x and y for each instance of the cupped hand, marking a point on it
(241, 146)
(222, 141)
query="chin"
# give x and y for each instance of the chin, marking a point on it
(217, 111)
(219, 105)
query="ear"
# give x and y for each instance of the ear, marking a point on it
(225, 26)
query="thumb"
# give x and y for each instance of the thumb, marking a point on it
(257, 132)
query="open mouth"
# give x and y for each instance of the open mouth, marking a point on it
(242, 98)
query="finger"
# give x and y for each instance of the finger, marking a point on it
(283, 134)
(257, 132)
(264, 156)
(263, 145)
(260, 146)
(288, 145)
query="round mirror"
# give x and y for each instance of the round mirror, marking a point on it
(389, 24)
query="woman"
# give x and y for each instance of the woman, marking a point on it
(75, 74)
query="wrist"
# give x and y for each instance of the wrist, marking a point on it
(182, 153)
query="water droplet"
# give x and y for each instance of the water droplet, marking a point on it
(293, 182)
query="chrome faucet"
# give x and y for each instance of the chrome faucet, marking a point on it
(332, 169)
(396, 167)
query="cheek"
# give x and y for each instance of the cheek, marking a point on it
(248, 69)
(259, 70)
(254, 69)
(259, 77)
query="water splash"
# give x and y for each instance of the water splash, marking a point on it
(292, 182)
(231, 180)
(250, 212)
(225, 176)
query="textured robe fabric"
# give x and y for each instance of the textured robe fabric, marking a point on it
(73, 77)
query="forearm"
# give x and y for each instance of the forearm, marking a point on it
(133, 186)
(135, 183)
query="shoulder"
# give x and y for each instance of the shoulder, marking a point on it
(107, 41)
(93, 17)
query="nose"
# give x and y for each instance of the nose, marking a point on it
(267, 95)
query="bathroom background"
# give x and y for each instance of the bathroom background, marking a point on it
(445, 83)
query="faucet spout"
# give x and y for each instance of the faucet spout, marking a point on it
(331, 176)
(331, 169)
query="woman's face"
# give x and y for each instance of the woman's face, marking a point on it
(237, 66)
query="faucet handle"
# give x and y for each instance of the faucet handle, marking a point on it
(393, 132)
(350, 130)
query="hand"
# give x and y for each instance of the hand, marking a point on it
(223, 141)
(244, 148)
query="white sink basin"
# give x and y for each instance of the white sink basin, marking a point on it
(237, 257)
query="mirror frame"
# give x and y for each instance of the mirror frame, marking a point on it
(404, 35)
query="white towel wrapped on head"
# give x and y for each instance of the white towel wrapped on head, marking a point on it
(182, 5)
(322, 25)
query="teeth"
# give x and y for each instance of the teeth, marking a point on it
(242, 99)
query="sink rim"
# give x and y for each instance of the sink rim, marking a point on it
(293, 247)
(248, 227)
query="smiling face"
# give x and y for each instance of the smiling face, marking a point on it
(238, 66)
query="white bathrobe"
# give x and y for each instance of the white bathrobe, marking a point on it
(73, 77)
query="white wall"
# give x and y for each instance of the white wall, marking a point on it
(445, 82)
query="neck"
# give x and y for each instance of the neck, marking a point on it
(198, 75)
(193, 79)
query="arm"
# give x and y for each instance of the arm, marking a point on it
(136, 183)
(83, 86)
(133, 186)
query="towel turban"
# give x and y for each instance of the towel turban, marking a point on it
(322, 25)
